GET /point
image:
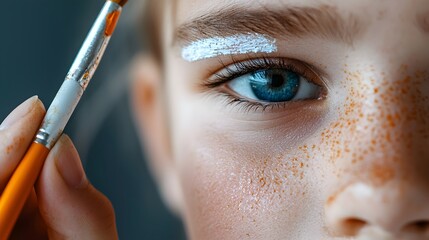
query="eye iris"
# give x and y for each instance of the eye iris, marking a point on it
(274, 85)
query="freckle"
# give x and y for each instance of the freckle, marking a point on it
(331, 199)
(262, 181)
(20, 142)
(382, 173)
(9, 149)
(390, 120)
(17, 144)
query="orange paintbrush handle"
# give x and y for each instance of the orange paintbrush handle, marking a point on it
(19, 187)
(22, 181)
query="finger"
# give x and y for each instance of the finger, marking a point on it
(30, 224)
(71, 207)
(16, 133)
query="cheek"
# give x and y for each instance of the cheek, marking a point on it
(225, 188)
(238, 184)
(381, 129)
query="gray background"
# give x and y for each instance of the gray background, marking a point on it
(39, 40)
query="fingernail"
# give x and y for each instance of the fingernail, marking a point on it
(19, 112)
(68, 163)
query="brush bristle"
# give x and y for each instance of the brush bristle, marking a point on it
(120, 2)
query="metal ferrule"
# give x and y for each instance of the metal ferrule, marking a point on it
(77, 79)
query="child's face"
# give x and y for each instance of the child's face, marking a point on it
(349, 156)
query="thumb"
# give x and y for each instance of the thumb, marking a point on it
(70, 206)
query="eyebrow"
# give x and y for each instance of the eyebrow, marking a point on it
(322, 21)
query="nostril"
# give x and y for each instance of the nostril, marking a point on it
(420, 226)
(351, 226)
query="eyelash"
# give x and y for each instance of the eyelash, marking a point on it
(239, 68)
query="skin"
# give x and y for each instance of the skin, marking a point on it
(63, 204)
(352, 165)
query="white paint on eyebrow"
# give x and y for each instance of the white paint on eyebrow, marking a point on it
(235, 44)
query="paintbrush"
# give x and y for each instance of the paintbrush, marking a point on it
(22, 181)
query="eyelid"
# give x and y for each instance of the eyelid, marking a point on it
(238, 68)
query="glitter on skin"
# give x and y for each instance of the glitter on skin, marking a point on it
(235, 44)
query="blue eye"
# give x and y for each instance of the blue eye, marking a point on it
(267, 83)
(274, 85)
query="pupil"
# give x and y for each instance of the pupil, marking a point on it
(277, 80)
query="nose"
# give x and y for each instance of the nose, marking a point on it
(369, 212)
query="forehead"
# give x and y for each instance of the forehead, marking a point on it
(395, 21)
(186, 10)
